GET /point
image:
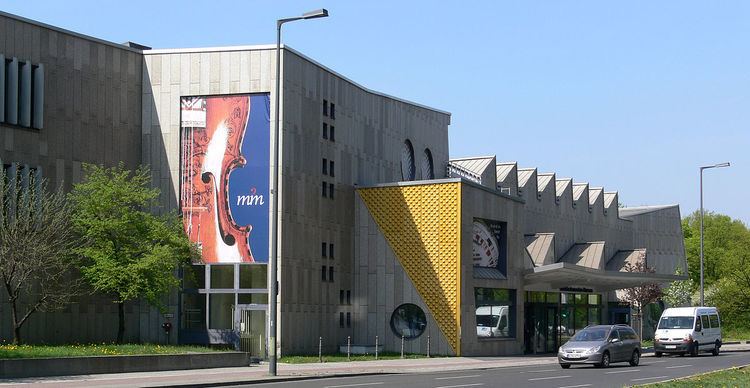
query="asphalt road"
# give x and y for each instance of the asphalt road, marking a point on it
(650, 370)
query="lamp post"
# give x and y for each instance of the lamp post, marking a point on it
(273, 283)
(725, 164)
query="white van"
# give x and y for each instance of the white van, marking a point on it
(688, 330)
(492, 321)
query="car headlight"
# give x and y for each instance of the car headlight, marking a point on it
(592, 350)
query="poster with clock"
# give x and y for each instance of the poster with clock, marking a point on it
(489, 248)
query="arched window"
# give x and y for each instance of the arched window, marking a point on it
(428, 171)
(407, 161)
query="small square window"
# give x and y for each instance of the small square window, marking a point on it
(324, 190)
(333, 133)
(330, 250)
(341, 319)
(323, 249)
(325, 131)
(325, 107)
(331, 168)
(333, 111)
(330, 274)
(341, 296)
(330, 190)
(348, 319)
(323, 273)
(348, 296)
(325, 166)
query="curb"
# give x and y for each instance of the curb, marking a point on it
(274, 379)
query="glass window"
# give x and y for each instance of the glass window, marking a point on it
(325, 107)
(325, 166)
(537, 297)
(714, 320)
(333, 133)
(221, 307)
(409, 321)
(194, 277)
(323, 273)
(333, 111)
(580, 299)
(348, 319)
(193, 311)
(341, 319)
(330, 190)
(553, 297)
(704, 319)
(676, 323)
(323, 249)
(330, 250)
(252, 298)
(331, 169)
(594, 316)
(330, 274)
(222, 276)
(348, 296)
(407, 161)
(253, 276)
(341, 296)
(595, 299)
(325, 131)
(324, 190)
(495, 312)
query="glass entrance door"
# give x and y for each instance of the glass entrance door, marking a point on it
(251, 325)
(541, 329)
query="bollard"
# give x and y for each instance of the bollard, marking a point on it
(376, 347)
(402, 346)
(320, 349)
(428, 346)
(348, 348)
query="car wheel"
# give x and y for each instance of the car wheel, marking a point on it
(635, 358)
(565, 366)
(694, 349)
(605, 361)
(715, 352)
(657, 354)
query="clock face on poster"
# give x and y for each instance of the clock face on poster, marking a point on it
(485, 246)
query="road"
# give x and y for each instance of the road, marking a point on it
(650, 370)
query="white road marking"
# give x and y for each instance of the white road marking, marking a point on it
(622, 371)
(656, 362)
(576, 386)
(677, 366)
(456, 377)
(462, 385)
(650, 378)
(543, 371)
(548, 378)
(354, 385)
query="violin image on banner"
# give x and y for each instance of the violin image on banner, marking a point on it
(210, 154)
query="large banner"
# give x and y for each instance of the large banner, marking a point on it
(225, 176)
(489, 244)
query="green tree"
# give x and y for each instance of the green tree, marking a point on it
(128, 252)
(680, 292)
(36, 247)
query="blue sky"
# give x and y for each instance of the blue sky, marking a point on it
(633, 96)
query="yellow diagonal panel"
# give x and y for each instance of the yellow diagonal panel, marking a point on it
(422, 224)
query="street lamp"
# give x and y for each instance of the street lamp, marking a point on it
(725, 164)
(274, 285)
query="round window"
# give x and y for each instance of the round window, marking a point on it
(407, 161)
(408, 320)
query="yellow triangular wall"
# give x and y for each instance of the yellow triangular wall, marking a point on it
(422, 224)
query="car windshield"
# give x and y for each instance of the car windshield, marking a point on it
(676, 323)
(586, 335)
(487, 320)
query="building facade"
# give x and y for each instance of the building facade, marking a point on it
(382, 235)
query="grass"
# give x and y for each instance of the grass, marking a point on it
(340, 357)
(734, 377)
(82, 350)
(735, 333)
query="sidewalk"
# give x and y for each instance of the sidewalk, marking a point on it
(257, 373)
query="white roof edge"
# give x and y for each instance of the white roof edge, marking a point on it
(471, 158)
(69, 32)
(291, 50)
(506, 163)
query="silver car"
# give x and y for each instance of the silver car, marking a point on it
(601, 345)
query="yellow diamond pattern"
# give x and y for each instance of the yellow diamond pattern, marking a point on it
(422, 224)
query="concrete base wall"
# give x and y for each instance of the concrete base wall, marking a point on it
(38, 367)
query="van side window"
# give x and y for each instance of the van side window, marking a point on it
(714, 320)
(698, 326)
(704, 319)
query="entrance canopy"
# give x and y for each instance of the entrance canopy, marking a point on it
(562, 274)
